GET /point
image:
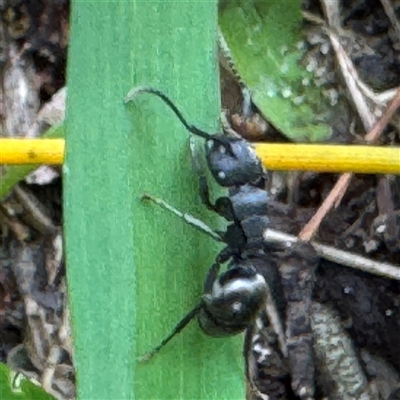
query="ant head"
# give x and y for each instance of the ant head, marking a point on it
(234, 302)
(232, 161)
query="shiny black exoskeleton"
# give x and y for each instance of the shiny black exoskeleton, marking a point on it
(233, 299)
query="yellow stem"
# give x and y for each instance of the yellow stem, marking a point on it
(275, 156)
(32, 151)
(330, 158)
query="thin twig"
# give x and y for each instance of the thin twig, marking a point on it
(351, 78)
(272, 312)
(389, 10)
(374, 134)
(39, 220)
(310, 229)
(342, 184)
(338, 256)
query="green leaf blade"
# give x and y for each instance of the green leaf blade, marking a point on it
(134, 270)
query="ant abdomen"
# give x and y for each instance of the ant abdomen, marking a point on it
(235, 299)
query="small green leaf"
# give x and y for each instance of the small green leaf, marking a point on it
(16, 386)
(265, 40)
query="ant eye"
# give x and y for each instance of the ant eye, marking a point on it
(221, 175)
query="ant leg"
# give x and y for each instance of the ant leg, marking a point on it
(212, 275)
(205, 194)
(189, 219)
(178, 328)
(222, 206)
(224, 255)
(199, 167)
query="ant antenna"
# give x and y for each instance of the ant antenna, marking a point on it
(147, 89)
(178, 328)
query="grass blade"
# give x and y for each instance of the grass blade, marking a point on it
(134, 270)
